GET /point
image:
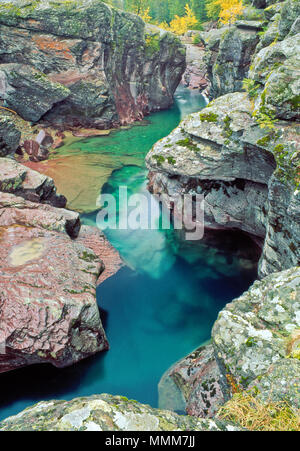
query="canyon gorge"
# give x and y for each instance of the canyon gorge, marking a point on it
(70, 72)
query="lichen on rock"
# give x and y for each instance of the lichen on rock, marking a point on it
(106, 413)
(84, 63)
(252, 334)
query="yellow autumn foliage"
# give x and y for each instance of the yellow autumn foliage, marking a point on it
(145, 15)
(229, 10)
(180, 25)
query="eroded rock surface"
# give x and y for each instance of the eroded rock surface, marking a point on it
(48, 308)
(228, 57)
(242, 154)
(105, 413)
(210, 154)
(28, 91)
(195, 76)
(22, 181)
(247, 174)
(275, 72)
(84, 64)
(94, 239)
(194, 385)
(9, 135)
(256, 337)
(255, 346)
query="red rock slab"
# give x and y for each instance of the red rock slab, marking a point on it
(94, 239)
(16, 210)
(48, 308)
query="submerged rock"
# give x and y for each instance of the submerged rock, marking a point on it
(105, 413)
(49, 313)
(85, 64)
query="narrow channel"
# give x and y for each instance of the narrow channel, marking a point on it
(162, 304)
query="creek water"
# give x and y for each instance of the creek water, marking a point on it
(162, 304)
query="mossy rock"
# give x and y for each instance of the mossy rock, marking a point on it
(105, 413)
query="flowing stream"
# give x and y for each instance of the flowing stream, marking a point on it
(162, 304)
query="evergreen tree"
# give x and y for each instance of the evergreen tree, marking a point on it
(199, 8)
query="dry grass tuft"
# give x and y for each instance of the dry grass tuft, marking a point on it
(254, 415)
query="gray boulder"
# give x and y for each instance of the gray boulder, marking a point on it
(29, 92)
(255, 336)
(276, 70)
(228, 56)
(9, 135)
(105, 413)
(194, 385)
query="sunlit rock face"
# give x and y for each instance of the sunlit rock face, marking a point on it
(86, 64)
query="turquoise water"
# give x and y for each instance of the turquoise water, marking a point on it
(161, 305)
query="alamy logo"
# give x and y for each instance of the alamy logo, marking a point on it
(139, 211)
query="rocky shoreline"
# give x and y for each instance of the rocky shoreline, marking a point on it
(241, 152)
(49, 313)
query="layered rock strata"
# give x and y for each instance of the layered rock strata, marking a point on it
(84, 63)
(48, 308)
(49, 270)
